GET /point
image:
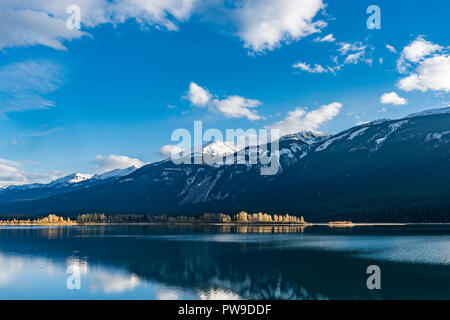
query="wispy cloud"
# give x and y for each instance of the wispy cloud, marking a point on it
(391, 48)
(41, 133)
(317, 68)
(354, 52)
(12, 174)
(346, 53)
(23, 85)
(327, 38)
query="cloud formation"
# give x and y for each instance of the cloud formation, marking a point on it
(419, 49)
(345, 53)
(198, 96)
(266, 24)
(428, 65)
(231, 107)
(111, 162)
(392, 98)
(11, 174)
(415, 52)
(23, 85)
(317, 68)
(354, 52)
(327, 38)
(391, 48)
(238, 107)
(301, 120)
(169, 151)
(38, 22)
(431, 74)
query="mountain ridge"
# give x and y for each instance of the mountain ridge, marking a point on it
(388, 171)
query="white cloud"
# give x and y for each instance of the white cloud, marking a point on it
(354, 57)
(6, 162)
(345, 47)
(24, 84)
(266, 24)
(300, 120)
(112, 162)
(238, 107)
(392, 98)
(11, 174)
(350, 53)
(428, 65)
(354, 52)
(431, 74)
(198, 96)
(391, 48)
(169, 151)
(32, 22)
(317, 68)
(415, 53)
(327, 38)
(231, 107)
(419, 49)
(28, 27)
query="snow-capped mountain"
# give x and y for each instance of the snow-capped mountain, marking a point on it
(430, 112)
(71, 179)
(69, 183)
(217, 149)
(21, 187)
(389, 170)
(117, 173)
(309, 137)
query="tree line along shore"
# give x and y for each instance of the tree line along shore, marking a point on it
(211, 218)
(241, 217)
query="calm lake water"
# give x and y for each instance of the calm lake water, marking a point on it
(223, 262)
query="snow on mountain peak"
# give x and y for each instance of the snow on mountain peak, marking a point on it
(117, 173)
(429, 112)
(219, 149)
(308, 137)
(72, 178)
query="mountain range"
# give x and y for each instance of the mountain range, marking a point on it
(383, 171)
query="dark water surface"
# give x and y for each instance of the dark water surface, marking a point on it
(223, 262)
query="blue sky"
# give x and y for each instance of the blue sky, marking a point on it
(110, 94)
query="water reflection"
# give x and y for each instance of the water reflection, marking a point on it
(221, 262)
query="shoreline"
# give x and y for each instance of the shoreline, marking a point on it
(319, 224)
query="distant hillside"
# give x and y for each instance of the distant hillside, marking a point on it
(388, 170)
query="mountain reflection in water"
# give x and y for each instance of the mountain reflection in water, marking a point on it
(223, 262)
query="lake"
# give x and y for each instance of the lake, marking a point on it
(223, 262)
